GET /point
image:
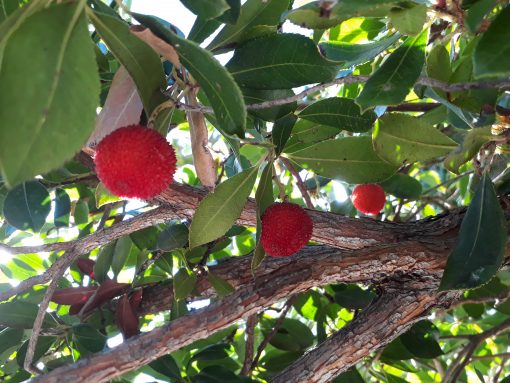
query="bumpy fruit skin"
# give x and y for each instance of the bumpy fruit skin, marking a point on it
(286, 228)
(135, 162)
(368, 198)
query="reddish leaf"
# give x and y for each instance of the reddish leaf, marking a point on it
(126, 319)
(108, 290)
(86, 266)
(73, 295)
(135, 299)
(75, 309)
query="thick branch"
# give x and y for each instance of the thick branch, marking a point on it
(391, 315)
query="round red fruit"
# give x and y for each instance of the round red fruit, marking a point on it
(135, 162)
(286, 228)
(368, 198)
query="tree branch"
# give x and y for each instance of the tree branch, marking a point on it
(251, 322)
(299, 182)
(388, 317)
(502, 83)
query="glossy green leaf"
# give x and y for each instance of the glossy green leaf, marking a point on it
(390, 84)
(252, 14)
(62, 208)
(81, 213)
(401, 139)
(19, 314)
(104, 262)
(492, 53)
(341, 113)
(353, 297)
(402, 186)
(206, 9)
(7, 7)
(280, 61)
(219, 87)
(104, 196)
(167, 366)
(121, 254)
(255, 96)
(10, 337)
(421, 340)
(221, 286)
(353, 54)
(44, 138)
(140, 60)
(202, 29)
(184, 283)
(293, 335)
(350, 376)
(305, 133)
(173, 237)
(232, 14)
(312, 16)
(408, 18)
(218, 211)
(88, 338)
(350, 159)
(27, 206)
(282, 129)
(366, 8)
(481, 246)
(477, 12)
(473, 141)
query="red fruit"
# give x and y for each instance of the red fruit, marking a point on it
(286, 228)
(135, 162)
(368, 198)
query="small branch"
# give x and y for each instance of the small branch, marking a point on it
(251, 322)
(273, 332)
(81, 246)
(503, 355)
(299, 182)
(425, 81)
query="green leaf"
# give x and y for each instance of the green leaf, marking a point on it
(221, 286)
(312, 16)
(253, 13)
(173, 237)
(7, 7)
(352, 297)
(218, 374)
(305, 133)
(206, 9)
(81, 213)
(184, 283)
(421, 341)
(19, 314)
(104, 196)
(282, 129)
(477, 12)
(9, 337)
(255, 96)
(120, 254)
(481, 246)
(44, 138)
(88, 338)
(293, 335)
(402, 186)
(27, 206)
(408, 18)
(350, 376)
(401, 139)
(231, 16)
(218, 211)
(280, 61)
(104, 262)
(473, 141)
(202, 29)
(222, 92)
(492, 53)
(341, 113)
(353, 54)
(391, 83)
(62, 208)
(167, 366)
(43, 345)
(141, 61)
(366, 8)
(350, 159)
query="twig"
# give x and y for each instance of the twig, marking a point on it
(41, 313)
(425, 81)
(500, 369)
(81, 246)
(299, 182)
(451, 180)
(273, 332)
(251, 322)
(503, 355)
